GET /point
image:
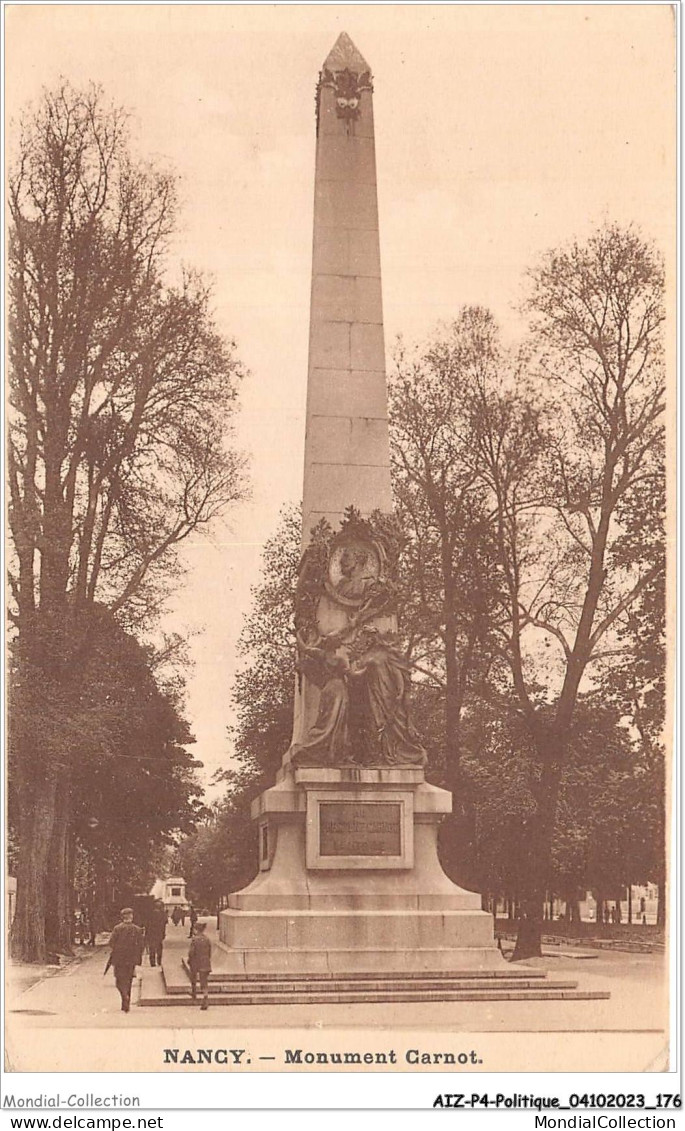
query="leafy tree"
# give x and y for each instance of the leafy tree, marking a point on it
(263, 690)
(122, 392)
(603, 831)
(222, 855)
(135, 785)
(201, 859)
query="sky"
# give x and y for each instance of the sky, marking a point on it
(501, 131)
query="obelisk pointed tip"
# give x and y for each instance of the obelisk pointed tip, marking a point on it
(345, 56)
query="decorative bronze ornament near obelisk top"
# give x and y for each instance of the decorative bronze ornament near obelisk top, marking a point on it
(347, 86)
(346, 73)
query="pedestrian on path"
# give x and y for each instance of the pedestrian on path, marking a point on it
(155, 932)
(200, 963)
(176, 916)
(86, 931)
(77, 931)
(126, 942)
(193, 921)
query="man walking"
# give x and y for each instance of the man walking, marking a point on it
(126, 942)
(155, 932)
(200, 963)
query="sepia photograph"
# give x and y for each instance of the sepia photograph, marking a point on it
(340, 459)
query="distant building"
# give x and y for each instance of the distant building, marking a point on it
(172, 893)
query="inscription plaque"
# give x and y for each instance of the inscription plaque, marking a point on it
(349, 828)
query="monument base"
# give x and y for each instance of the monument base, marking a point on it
(350, 880)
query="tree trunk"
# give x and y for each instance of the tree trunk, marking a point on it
(99, 894)
(661, 904)
(27, 939)
(529, 935)
(42, 657)
(59, 910)
(538, 838)
(459, 833)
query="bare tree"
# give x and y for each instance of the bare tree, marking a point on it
(449, 576)
(121, 397)
(560, 480)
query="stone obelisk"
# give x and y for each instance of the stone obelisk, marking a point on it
(347, 460)
(349, 877)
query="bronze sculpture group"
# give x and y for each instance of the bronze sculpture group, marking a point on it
(363, 713)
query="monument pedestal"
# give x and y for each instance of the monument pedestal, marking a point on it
(350, 881)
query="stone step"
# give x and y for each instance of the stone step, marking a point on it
(322, 961)
(387, 995)
(506, 972)
(373, 985)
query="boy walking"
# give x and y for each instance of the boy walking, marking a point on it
(200, 963)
